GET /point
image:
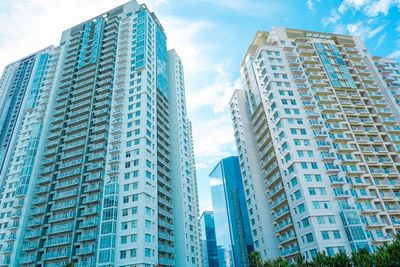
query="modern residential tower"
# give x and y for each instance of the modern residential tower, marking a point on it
(105, 174)
(318, 136)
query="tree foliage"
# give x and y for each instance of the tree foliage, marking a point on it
(387, 255)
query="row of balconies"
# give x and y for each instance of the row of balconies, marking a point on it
(27, 258)
(66, 194)
(30, 245)
(76, 171)
(58, 241)
(35, 221)
(60, 228)
(64, 205)
(90, 222)
(74, 145)
(68, 183)
(88, 235)
(71, 154)
(70, 163)
(57, 253)
(62, 216)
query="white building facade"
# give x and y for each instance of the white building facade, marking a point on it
(318, 144)
(114, 174)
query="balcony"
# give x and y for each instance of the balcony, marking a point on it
(62, 216)
(58, 241)
(56, 254)
(64, 205)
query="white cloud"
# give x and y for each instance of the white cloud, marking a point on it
(380, 40)
(250, 8)
(310, 4)
(215, 94)
(333, 18)
(182, 36)
(381, 6)
(355, 4)
(363, 29)
(213, 139)
(370, 8)
(375, 31)
(394, 54)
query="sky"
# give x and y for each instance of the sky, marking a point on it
(211, 37)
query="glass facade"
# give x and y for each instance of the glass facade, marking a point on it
(230, 212)
(208, 240)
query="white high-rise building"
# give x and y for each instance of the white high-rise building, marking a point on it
(97, 156)
(318, 137)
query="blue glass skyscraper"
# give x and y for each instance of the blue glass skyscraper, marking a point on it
(208, 240)
(230, 213)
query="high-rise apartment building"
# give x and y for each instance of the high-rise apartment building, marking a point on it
(98, 166)
(26, 93)
(317, 133)
(209, 249)
(232, 225)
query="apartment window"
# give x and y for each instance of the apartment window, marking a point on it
(322, 191)
(325, 235)
(330, 251)
(147, 238)
(321, 220)
(316, 205)
(294, 181)
(123, 254)
(305, 222)
(310, 237)
(331, 219)
(125, 212)
(147, 252)
(314, 165)
(336, 234)
(301, 208)
(312, 191)
(297, 194)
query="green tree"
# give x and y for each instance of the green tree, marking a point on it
(255, 259)
(278, 262)
(340, 260)
(362, 258)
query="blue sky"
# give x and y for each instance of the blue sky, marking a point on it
(211, 38)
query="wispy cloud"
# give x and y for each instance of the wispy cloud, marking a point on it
(310, 4)
(395, 55)
(381, 40)
(245, 7)
(333, 18)
(213, 140)
(216, 94)
(364, 30)
(371, 8)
